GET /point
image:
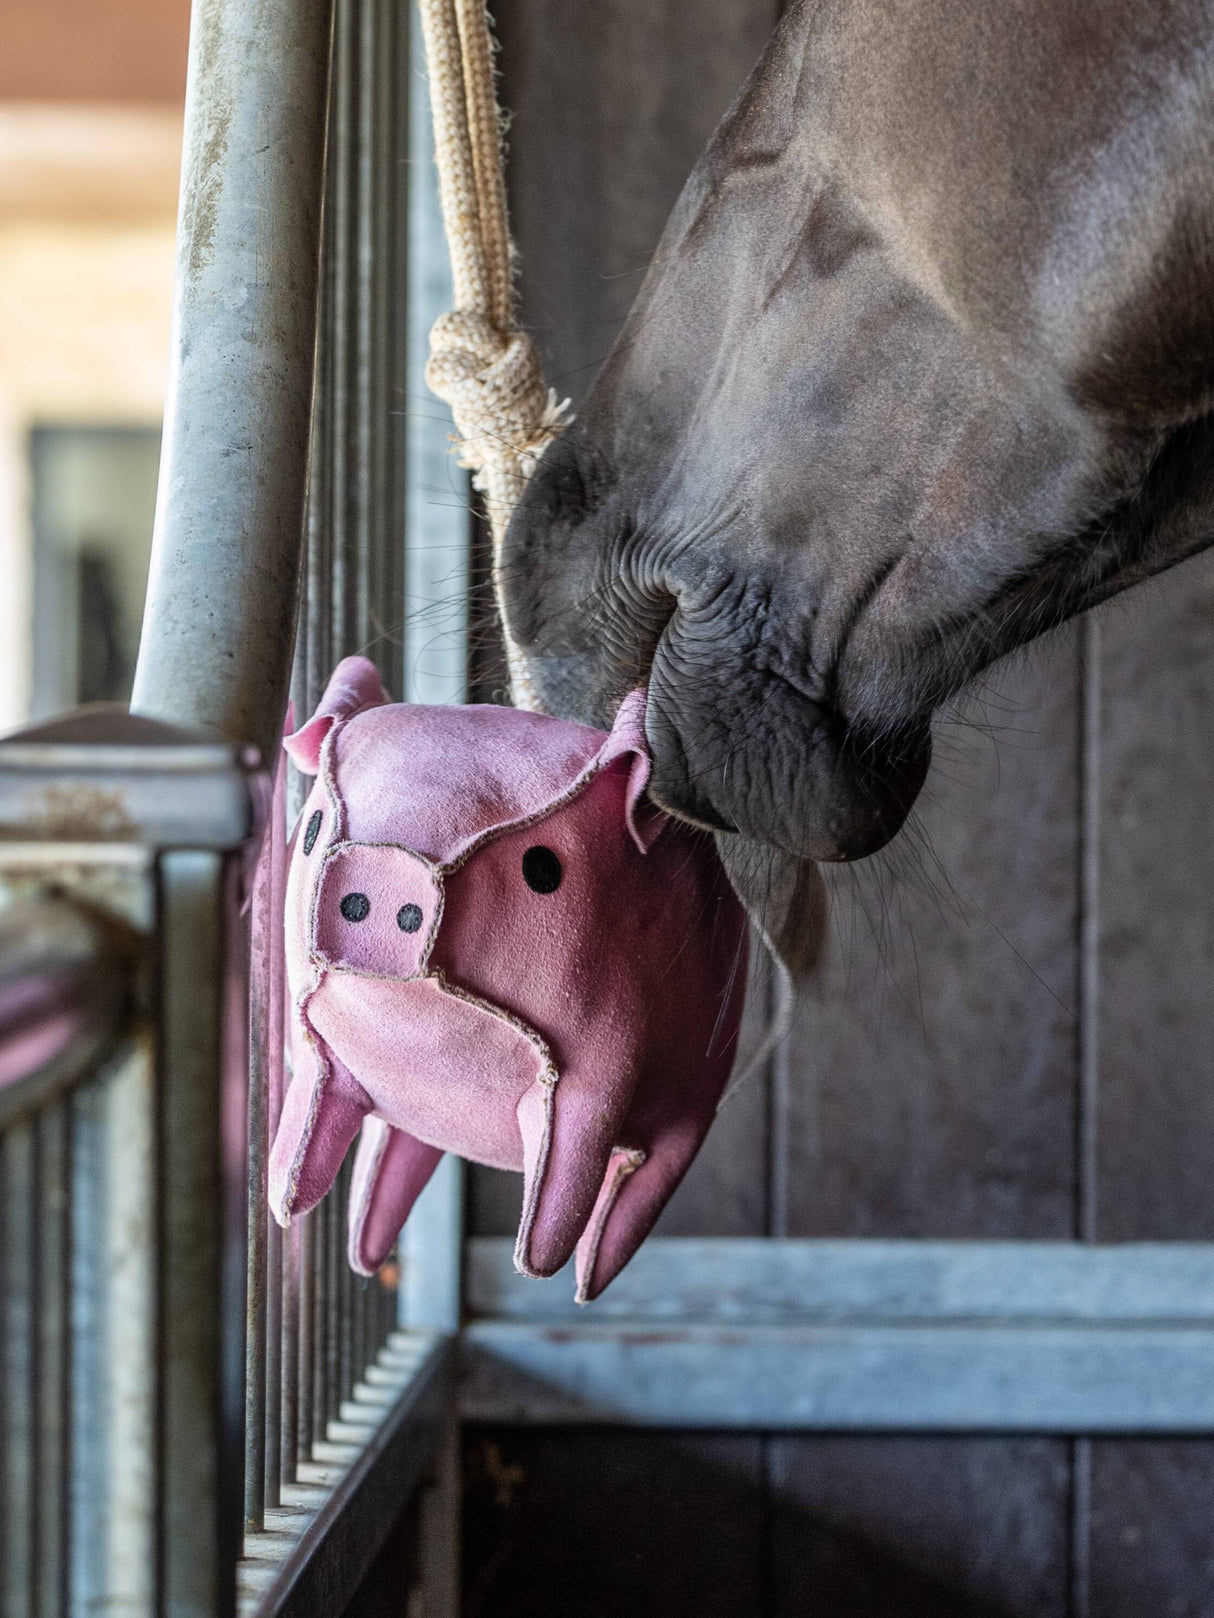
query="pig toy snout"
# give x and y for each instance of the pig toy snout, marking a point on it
(377, 910)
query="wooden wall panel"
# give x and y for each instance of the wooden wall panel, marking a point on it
(1155, 1156)
(930, 1080)
(1151, 1550)
(960, 1068)
(920, 1528)
(1151, 1541)
(610, 103)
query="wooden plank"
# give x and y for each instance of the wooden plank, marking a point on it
(611, 102)
(852, 1538)
(765, 1281)
(1005, 1377)
(1149, 1545)
(931, 1075)
(577, 1524)
(1156, 988)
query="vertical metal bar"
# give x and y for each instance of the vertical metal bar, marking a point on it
(220, 615)
(18, 1386)
(431, 1251)
(437, 578)
(274, 1336)
(437, 522)
(345, 1293)
(339, 209)
(115, 1370)
(257, 1269)
(291, 1349)
(202, 1271)
(304, 1238)
(358, 1339)
(53, 1260)
(276, 836)
(332, 1301)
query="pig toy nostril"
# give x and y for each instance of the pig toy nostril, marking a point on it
(355, 907)
(409, 918)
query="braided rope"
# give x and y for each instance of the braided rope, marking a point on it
(481, 364)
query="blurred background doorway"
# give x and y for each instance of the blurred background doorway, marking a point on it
(90, 138)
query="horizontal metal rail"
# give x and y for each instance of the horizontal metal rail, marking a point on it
(853, 1336)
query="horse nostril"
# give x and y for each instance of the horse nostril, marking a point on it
(356, 907)
(409, 918)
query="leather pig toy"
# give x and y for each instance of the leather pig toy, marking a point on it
(496, 945)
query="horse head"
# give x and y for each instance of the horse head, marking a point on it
(922, 367)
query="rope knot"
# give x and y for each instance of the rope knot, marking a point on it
(492, 381)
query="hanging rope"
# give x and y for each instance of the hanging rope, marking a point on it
(481, 364)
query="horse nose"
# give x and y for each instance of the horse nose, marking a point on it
(376, 911)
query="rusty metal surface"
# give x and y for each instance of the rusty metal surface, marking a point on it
(100, 776)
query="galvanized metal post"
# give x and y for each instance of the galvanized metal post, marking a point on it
(220, 619)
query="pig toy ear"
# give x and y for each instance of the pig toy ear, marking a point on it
(646, 821)
(354, 685)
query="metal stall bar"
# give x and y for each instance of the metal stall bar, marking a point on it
(352, 1386)
(220, 617)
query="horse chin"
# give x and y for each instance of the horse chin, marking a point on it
(801, 783)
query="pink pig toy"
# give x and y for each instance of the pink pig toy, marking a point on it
(497, 946)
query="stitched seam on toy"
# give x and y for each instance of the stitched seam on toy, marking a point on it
(593, 769)
(531, 1201)
(548, 1077)
(329, 783)
(623, 1172)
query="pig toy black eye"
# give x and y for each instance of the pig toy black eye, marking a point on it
(541, 870)
(355, 907)
(312, 832)
(409, 918)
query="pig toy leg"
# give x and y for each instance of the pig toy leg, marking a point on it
(639, 1182)
(569, 1128)
(390, 1172)
(322, 1113)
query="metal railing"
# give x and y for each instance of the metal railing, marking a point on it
(128, 1415)
(196, 1409)
(122, 1152)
